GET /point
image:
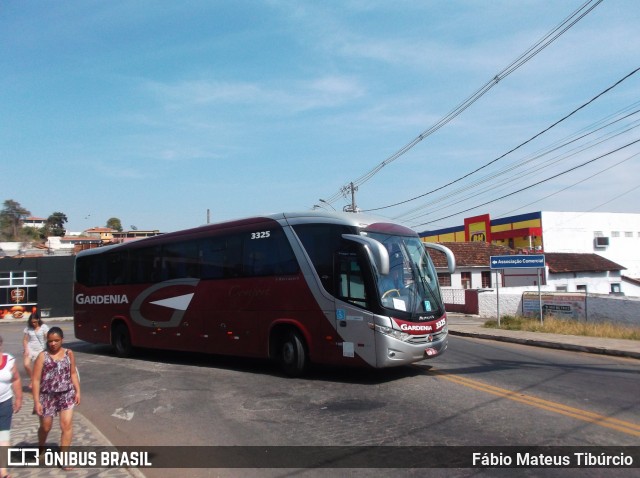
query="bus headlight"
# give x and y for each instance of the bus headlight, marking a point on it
(396, 334)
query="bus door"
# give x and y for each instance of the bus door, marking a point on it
(230, 321)
(214, 323)
(236, 295)
(353, 299)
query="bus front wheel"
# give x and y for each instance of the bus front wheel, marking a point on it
(121, 340)
(293, 354)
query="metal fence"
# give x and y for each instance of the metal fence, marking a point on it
(453, 296)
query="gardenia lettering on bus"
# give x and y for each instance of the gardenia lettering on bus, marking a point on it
(416, 327)
(102, 299)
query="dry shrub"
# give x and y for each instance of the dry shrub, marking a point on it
(555, 325)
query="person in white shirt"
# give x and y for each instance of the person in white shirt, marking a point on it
(10, 389)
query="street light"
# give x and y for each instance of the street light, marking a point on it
(325, 202)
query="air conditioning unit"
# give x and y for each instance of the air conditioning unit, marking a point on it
(601, 241)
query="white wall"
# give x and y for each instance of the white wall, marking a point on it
(575, 231)
(616, 309)
(476, 277)
(630, 289)
(55, 243)
(595, 282)
(10, 247)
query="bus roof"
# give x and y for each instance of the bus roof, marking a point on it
(359, 220)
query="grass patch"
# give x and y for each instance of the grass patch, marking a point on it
(554, 325)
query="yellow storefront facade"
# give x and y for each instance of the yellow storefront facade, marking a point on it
(521, 232)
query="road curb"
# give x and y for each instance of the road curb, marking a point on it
(548, 344)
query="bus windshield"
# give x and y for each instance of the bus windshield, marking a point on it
(412, 283)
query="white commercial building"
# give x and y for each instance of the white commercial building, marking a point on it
(614, 236)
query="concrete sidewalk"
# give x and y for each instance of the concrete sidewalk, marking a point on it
(24, 433)
(470, 326)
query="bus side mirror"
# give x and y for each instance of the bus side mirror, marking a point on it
(451, 260)
(378, 254)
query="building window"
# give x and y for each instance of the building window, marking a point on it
(615, 233)
(444, 279)
(18, 294)
(598, 234)
(486, 279)
(628, 234)
(466, 280)
(581, 288)
(616, 289)
(561, 288)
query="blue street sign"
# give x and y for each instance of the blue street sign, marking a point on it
(535, 261)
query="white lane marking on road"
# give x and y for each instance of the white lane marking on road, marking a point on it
(122, 414)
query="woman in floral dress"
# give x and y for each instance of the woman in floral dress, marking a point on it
(56, 388)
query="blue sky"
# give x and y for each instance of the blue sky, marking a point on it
(156, 111)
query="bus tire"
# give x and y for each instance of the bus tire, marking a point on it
(121, 340)
(293, 354)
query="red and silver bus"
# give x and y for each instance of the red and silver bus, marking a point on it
(299, 288)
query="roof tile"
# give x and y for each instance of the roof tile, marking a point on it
(477, 254)
(470, 254)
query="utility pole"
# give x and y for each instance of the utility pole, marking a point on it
(351, 188)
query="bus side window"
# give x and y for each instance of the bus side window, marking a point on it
(268, 256)
(180, 260)
(99, 271)
(351, 286)
(152, 264)
(321, 241)
(285, 262)
(212, 251)
(232, 265)
(116, 273)
(83, 271)
(90, 270)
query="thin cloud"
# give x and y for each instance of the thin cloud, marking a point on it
(319, 93)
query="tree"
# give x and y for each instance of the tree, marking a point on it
(29, 234)
(11, 217)
(114, 223)
(5, 228)
(55, 224)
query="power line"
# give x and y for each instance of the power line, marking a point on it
(614, 198)
(564, 118)
(412, 215)
(575, 184)
(532, 51)
(532, 185)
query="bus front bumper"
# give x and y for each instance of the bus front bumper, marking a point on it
(392, 352)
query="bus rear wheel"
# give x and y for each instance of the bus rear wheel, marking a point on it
(121, 340)
(293, 354)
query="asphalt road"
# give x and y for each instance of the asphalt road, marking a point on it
(479, 393)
